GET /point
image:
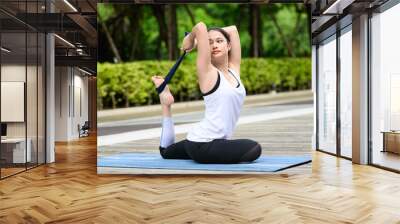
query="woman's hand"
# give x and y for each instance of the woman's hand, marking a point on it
(189, 43)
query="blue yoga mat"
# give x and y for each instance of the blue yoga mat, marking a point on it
(155, 161)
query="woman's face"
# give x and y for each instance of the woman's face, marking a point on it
(218, 44)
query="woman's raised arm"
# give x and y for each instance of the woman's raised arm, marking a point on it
(204, 66)
(235, 54)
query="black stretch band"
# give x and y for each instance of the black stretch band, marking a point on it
(171, 73)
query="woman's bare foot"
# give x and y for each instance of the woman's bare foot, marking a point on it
(166, 97)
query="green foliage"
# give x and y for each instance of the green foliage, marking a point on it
(129, 84)
(135, 29)
(105, 12)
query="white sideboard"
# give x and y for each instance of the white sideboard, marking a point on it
(18, 144)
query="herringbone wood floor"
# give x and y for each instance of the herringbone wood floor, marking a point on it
(70, 191)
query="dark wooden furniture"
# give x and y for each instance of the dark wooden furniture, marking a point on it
(391, 141)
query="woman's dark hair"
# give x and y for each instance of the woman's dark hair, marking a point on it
(226, 35)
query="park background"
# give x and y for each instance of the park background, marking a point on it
(137, 41)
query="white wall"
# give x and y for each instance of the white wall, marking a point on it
(71, 94)
(14, 73)
(80, 101)
(33, 126)
(12, 101)
(62, 80)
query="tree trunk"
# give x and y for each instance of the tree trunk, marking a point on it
(111, 42)
(136, 19)
(158, 11)
(191, 16)
(126, 102)
(100, 104)
(172, 33)
(297, 28)
(158, 50)
(255, 31)
(113, 101)
(239, 17)
(282, 35)
(309, 22)
(135, 41)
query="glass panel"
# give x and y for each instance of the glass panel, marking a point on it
(346, 93)
(41, 99)
(386, 89)
(327, 96)
(32, 88)
(22, 87)
(13, 86)
(31, 99)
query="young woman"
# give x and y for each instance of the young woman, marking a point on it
(218, 66)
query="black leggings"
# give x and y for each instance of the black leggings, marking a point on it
(216, 151)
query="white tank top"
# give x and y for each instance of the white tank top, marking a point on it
(222, 110)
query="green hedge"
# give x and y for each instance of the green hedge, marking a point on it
(129, 84)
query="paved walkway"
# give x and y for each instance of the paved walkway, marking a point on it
(280, 127)
(124, 114)
(150, 128)
(289, 135)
